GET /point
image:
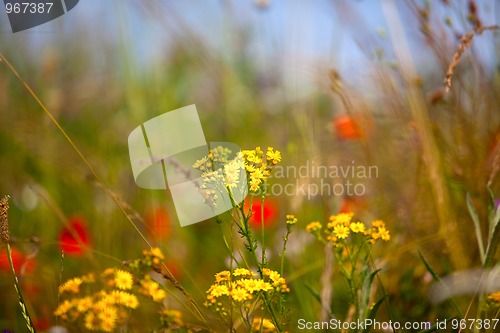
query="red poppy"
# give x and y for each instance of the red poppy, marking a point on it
(19, 260)
(351, 205)
(346, 127)
(270, 212)
(158, 223)
(74, 237)
(42, 324)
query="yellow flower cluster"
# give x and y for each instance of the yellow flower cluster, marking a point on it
(379, 230)
(494, 298)
(152, 289)
(259, 165)
(313, 227)
(243, 285)
(263, 325)
(100, 311)
(150, 258)
(340, 226)
(219, 171)
(73, 285)
(107, 308)
(291, 219)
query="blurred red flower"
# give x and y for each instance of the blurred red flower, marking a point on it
(352, 205)
(18, 259)
(157, 221)
(172, 267)
(74, 238)
(270, 212)
(346, 127)
(41, 324)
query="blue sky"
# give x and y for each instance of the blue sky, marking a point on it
(303, 36)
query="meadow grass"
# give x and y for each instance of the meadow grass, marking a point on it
(271, 260)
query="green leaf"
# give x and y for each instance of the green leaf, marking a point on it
(492, 245)
(491, 212)
(365, 293)
(477, 227)
(316, 296)
(493, 223)
(313, 292)
(373, 312)
(435, 277)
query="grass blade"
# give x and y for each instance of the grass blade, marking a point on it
(492, 244)
(477, 227)
(434, 275)
(316, 296)
(365, 292)
(373, 312)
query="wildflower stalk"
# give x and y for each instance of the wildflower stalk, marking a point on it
(4, 232)
(262, 199)
(283, 252)
(24, 309)
(245, 232)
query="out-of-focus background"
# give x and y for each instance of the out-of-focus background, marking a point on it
(328, 83)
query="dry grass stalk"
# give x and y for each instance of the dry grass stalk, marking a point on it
(465, 43)
(4, 219)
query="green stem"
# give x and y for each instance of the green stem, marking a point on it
(273, 314)
(248, 236)
(26, 315)
(283, 253)
(262, 199)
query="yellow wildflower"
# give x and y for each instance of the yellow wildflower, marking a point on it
(240, 294)
(123, 279)
(155, 291)
(254, 185)
(63, 308)
(264, 286)
(342, 218)
(250, 284)
(85, 303)
(108, 317)
(273, 156)
(341, 231)
(495, 297)
(384, 234)
(291, 219)
(90, 321)
(128, 300)
(242, 272)
(156, 252)
(219, 290)
(357, 227)
(313, 226)
(264, 323)
(222, 276)
(72, 286)
(275, 276)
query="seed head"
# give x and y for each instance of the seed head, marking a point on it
(4, 219)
